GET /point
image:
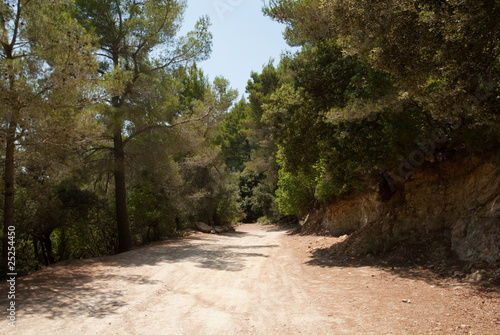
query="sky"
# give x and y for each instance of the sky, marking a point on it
(244, 40)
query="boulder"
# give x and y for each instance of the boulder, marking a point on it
(223, 229)
(219, 229)
(229, 228)
(475, 238)
(203, 227)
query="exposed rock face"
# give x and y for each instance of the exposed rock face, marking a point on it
(350, 214)
(461, 199)
(477, 239)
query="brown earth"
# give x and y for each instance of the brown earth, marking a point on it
(259, 280)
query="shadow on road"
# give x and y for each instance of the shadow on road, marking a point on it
(204, 251)
(77, 287)
(73, 292)
(433, 263)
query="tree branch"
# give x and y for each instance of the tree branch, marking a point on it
(104, 55)
(92, 151)
(173, 60)
(160, 28)
(16, 24)
(165, 126)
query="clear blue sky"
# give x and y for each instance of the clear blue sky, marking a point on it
(243, 38)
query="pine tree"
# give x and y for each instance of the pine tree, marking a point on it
(137, 40)
(45, 59)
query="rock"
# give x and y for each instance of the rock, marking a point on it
(476, 239)
(347, 215)
(230, 228)
(219, 229)
(475, 277)
(203, 227)
(222, 229)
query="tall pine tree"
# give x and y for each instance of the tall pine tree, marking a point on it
(45, 58)
(137, 39)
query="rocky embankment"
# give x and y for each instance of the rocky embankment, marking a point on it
(456, 200)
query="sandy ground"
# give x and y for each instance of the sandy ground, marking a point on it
(259, 280)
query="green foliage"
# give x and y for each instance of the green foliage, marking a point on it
(438, 52)
(256, 196)
(194, 86)
(260, 176)
(372, 80)
(248, 149)
(85, 224)
(138, 48)
(295, 193)
(327, 143)
(228, 207)
(146, 214)
(231, 137)
(46, 63)
(263, 200)
(60, 221)
(153, 123)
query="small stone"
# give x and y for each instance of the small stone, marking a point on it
(475, 277)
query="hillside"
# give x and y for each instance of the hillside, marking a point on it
(445, 213)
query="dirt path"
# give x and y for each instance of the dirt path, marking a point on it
(258, 280)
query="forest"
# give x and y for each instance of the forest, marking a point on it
(113, 137)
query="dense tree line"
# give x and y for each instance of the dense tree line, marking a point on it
(373, 82)
(108, 128)
(378, 88)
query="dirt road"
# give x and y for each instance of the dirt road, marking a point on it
(259, 280)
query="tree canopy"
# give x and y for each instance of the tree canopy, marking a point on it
(372, 82)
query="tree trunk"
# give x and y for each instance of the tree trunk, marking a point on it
(124, 239)
(8, 213)
(48, 247)
(35, 251)
(44, 252)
